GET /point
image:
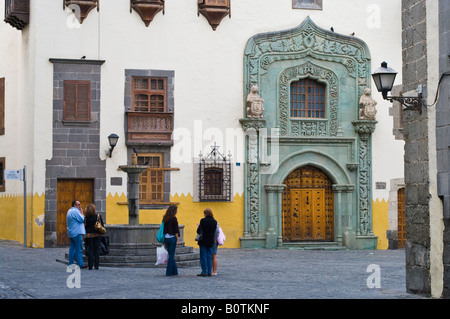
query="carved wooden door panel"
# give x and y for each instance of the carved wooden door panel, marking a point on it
(68, 191)
(307, 214)
(308, 208)
(401, 237)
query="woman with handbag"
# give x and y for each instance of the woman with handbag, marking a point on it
(171, 238)
(207, 229)
(93, 235)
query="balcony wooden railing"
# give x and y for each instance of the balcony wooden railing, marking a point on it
(149, 128)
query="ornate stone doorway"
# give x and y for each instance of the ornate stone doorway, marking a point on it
(308, 206)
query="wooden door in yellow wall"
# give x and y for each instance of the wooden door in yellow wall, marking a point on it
(401, 234)
(69, 190)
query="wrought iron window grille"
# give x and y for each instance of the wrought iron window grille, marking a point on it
(214, 176)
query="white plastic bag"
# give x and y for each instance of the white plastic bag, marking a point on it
(221, 237)
(162, 255)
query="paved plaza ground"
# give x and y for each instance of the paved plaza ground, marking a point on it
(27, 273)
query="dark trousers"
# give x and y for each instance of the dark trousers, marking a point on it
(171, 245)
(206, 259)
(93, 251)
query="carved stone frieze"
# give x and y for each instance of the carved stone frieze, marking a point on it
(307, 40)
(274, 188)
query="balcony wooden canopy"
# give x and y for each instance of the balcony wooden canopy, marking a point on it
(17, 13)
(214, 11)
(147, 9)
(85, 6)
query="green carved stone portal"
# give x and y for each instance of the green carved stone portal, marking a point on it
(338, 144)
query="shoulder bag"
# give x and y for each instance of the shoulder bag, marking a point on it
(98, 226)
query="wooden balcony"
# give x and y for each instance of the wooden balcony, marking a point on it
(149, 128)
(17, 13)
(147, 9)
(214, 10)
(81, 8)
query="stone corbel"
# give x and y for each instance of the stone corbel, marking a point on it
(147, 9)
(84, 7)
(364, 128)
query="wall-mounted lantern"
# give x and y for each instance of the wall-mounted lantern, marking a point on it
(112, 139)
(214, 10)
(384, 78)
(147, 9)
(81, 8)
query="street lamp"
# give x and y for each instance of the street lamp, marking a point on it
(112, 138)
(384, 78)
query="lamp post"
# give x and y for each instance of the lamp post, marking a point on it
(384, 78)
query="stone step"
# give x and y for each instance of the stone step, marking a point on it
(312, 246)
(120, 250)
(143, 256)
(146, 258)
(180, 264)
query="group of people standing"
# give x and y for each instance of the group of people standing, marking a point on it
(207, 232)
(82, 224)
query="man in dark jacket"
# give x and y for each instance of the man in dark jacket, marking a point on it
(207, 229)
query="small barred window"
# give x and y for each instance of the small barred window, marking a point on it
(307, 99)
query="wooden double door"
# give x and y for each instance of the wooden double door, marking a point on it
(308, 208)
(401, 239)
(69, 190)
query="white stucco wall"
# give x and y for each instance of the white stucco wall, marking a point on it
(208, 69)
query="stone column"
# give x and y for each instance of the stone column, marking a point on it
(251, 127)
(133, 172)
(365, 128)
(273, 233)
(346, 233)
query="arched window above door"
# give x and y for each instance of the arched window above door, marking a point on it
(307, 99)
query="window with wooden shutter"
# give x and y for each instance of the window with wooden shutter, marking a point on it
(213, 180)
(2, 106)
(151, 186)
(77, 101)
(149, 94)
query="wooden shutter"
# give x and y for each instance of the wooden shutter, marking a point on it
(2, 106)
(149, 94)
(151, 186)
(77, 101)
(2, 174)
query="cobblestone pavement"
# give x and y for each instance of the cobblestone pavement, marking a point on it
(27, 273)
